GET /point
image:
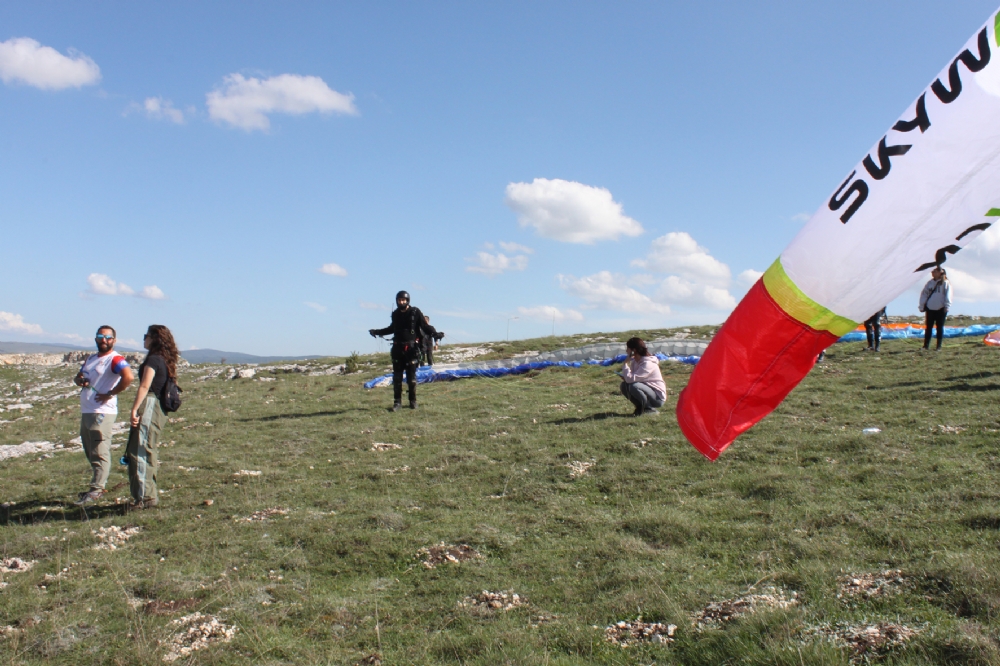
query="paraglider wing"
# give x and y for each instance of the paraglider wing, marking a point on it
(926, 189)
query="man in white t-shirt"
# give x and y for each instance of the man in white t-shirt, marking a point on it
(103, 376)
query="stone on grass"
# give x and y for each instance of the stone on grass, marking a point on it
(197, 632)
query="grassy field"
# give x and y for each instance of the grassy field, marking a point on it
(590, 516)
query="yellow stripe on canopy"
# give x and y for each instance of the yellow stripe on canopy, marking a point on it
(796, 304)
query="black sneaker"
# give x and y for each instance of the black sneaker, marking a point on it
(637, 412)
(652, 411)
(413, 404)
(89, 497)
(396, 406)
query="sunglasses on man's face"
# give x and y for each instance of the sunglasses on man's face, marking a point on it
(104, 337)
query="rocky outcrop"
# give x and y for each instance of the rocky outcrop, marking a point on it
(668, 347)
(71, 358)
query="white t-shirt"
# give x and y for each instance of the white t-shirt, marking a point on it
(103, 373)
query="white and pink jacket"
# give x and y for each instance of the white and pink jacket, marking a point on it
(647, 371)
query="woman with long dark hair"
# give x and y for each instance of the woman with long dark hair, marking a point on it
(148, 417)
(643, 384)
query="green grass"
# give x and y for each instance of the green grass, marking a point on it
(652, 529)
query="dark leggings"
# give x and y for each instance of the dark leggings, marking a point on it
(934, 318)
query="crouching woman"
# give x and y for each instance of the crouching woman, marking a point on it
(148, 417)
(643, 384)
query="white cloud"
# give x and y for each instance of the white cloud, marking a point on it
(14, 323)
(104, 285)
(367, 305)
(801, 217)
(514, 248)
(968, 288)
(152, 292)
(550, 313)
(975, 271)
(607, 291)
(679, 291)
(569, 211)
(315, 306)
(494, 264)
(333, 269)
(23, 60)
(678, 253)
(246, 102)
(749, 277)
(642, 280)
(158, 108)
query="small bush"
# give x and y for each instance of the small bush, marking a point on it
(353, 363)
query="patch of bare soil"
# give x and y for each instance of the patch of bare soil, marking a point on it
(864, 641)
(487, 602)
(444, 553)
(113, 537)
(718, 613)
(157, 607)
(631, 632)
(872, 585)
(265, 514)
(197, 632)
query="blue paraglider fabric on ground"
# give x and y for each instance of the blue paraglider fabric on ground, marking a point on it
(918, 332)
(429, 374)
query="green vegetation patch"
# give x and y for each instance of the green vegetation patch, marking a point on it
(522, 520)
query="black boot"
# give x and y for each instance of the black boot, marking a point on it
(396, 406)
(413, 404)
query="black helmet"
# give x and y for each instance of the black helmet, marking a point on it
(404, 295)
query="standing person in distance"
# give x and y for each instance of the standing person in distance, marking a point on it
(935, 299)
(408, 328)
(873, 330)
(430, 341)
(643, 384)
(103, 376)
(147, 416)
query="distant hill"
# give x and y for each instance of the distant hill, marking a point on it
(35, 348)
(46, 348)
(192, 356)
(216, 356)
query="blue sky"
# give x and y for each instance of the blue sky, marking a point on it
(587, 166)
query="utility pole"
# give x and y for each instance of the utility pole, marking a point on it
(510, 319)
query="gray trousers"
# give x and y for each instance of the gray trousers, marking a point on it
(95, 432)
(641, 395)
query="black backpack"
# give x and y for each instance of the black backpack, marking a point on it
(170, 396)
